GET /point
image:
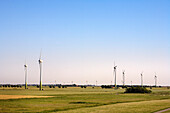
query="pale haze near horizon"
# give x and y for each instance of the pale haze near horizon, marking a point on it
(80, 40)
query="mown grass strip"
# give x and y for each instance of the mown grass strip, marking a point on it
(89, 106)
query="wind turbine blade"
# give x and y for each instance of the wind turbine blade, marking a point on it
(40, 53)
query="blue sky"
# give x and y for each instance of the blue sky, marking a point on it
(80, 39)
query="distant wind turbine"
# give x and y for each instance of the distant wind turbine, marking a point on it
(155, 80)
(114, 73)
(123, 77)
(25, 68)
(142, 79)
(40, 64)
(86, 82)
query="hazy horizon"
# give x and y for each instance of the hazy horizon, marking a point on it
(80, 40)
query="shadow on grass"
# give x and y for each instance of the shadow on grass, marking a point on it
(80, 102)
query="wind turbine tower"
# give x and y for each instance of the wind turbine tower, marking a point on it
(40, 64)
(155, 80)
(142, 79)
(114, 73)
(123, 77)
(25, 67)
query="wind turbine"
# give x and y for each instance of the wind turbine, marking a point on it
(86, 82)
(141, 79)
(155, 80)
(25, 68)
(114, 73)
(123, 77)
(40, 64)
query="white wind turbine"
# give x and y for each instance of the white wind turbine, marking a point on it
(142, 79)
(114, 73)
(40, 64)
(155, 80)
(25, 68)
(123, 77)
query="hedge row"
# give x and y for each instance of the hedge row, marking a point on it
(137, 90)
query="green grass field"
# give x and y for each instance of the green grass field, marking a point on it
(78, 100)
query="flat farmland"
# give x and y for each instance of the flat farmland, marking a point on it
(78, 100)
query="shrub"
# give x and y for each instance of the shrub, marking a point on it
(50, 86)
(83, 86)
(124, 86)
(137, 90)
(106, 86)
(64, 86)
(4, 85)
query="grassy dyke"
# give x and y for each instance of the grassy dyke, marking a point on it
(69, 99)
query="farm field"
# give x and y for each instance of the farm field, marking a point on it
(78, 100)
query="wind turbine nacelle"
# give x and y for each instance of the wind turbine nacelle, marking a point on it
(25, 65)
(115, 67)
(40, 61)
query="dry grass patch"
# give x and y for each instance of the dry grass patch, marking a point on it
(21, 96)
